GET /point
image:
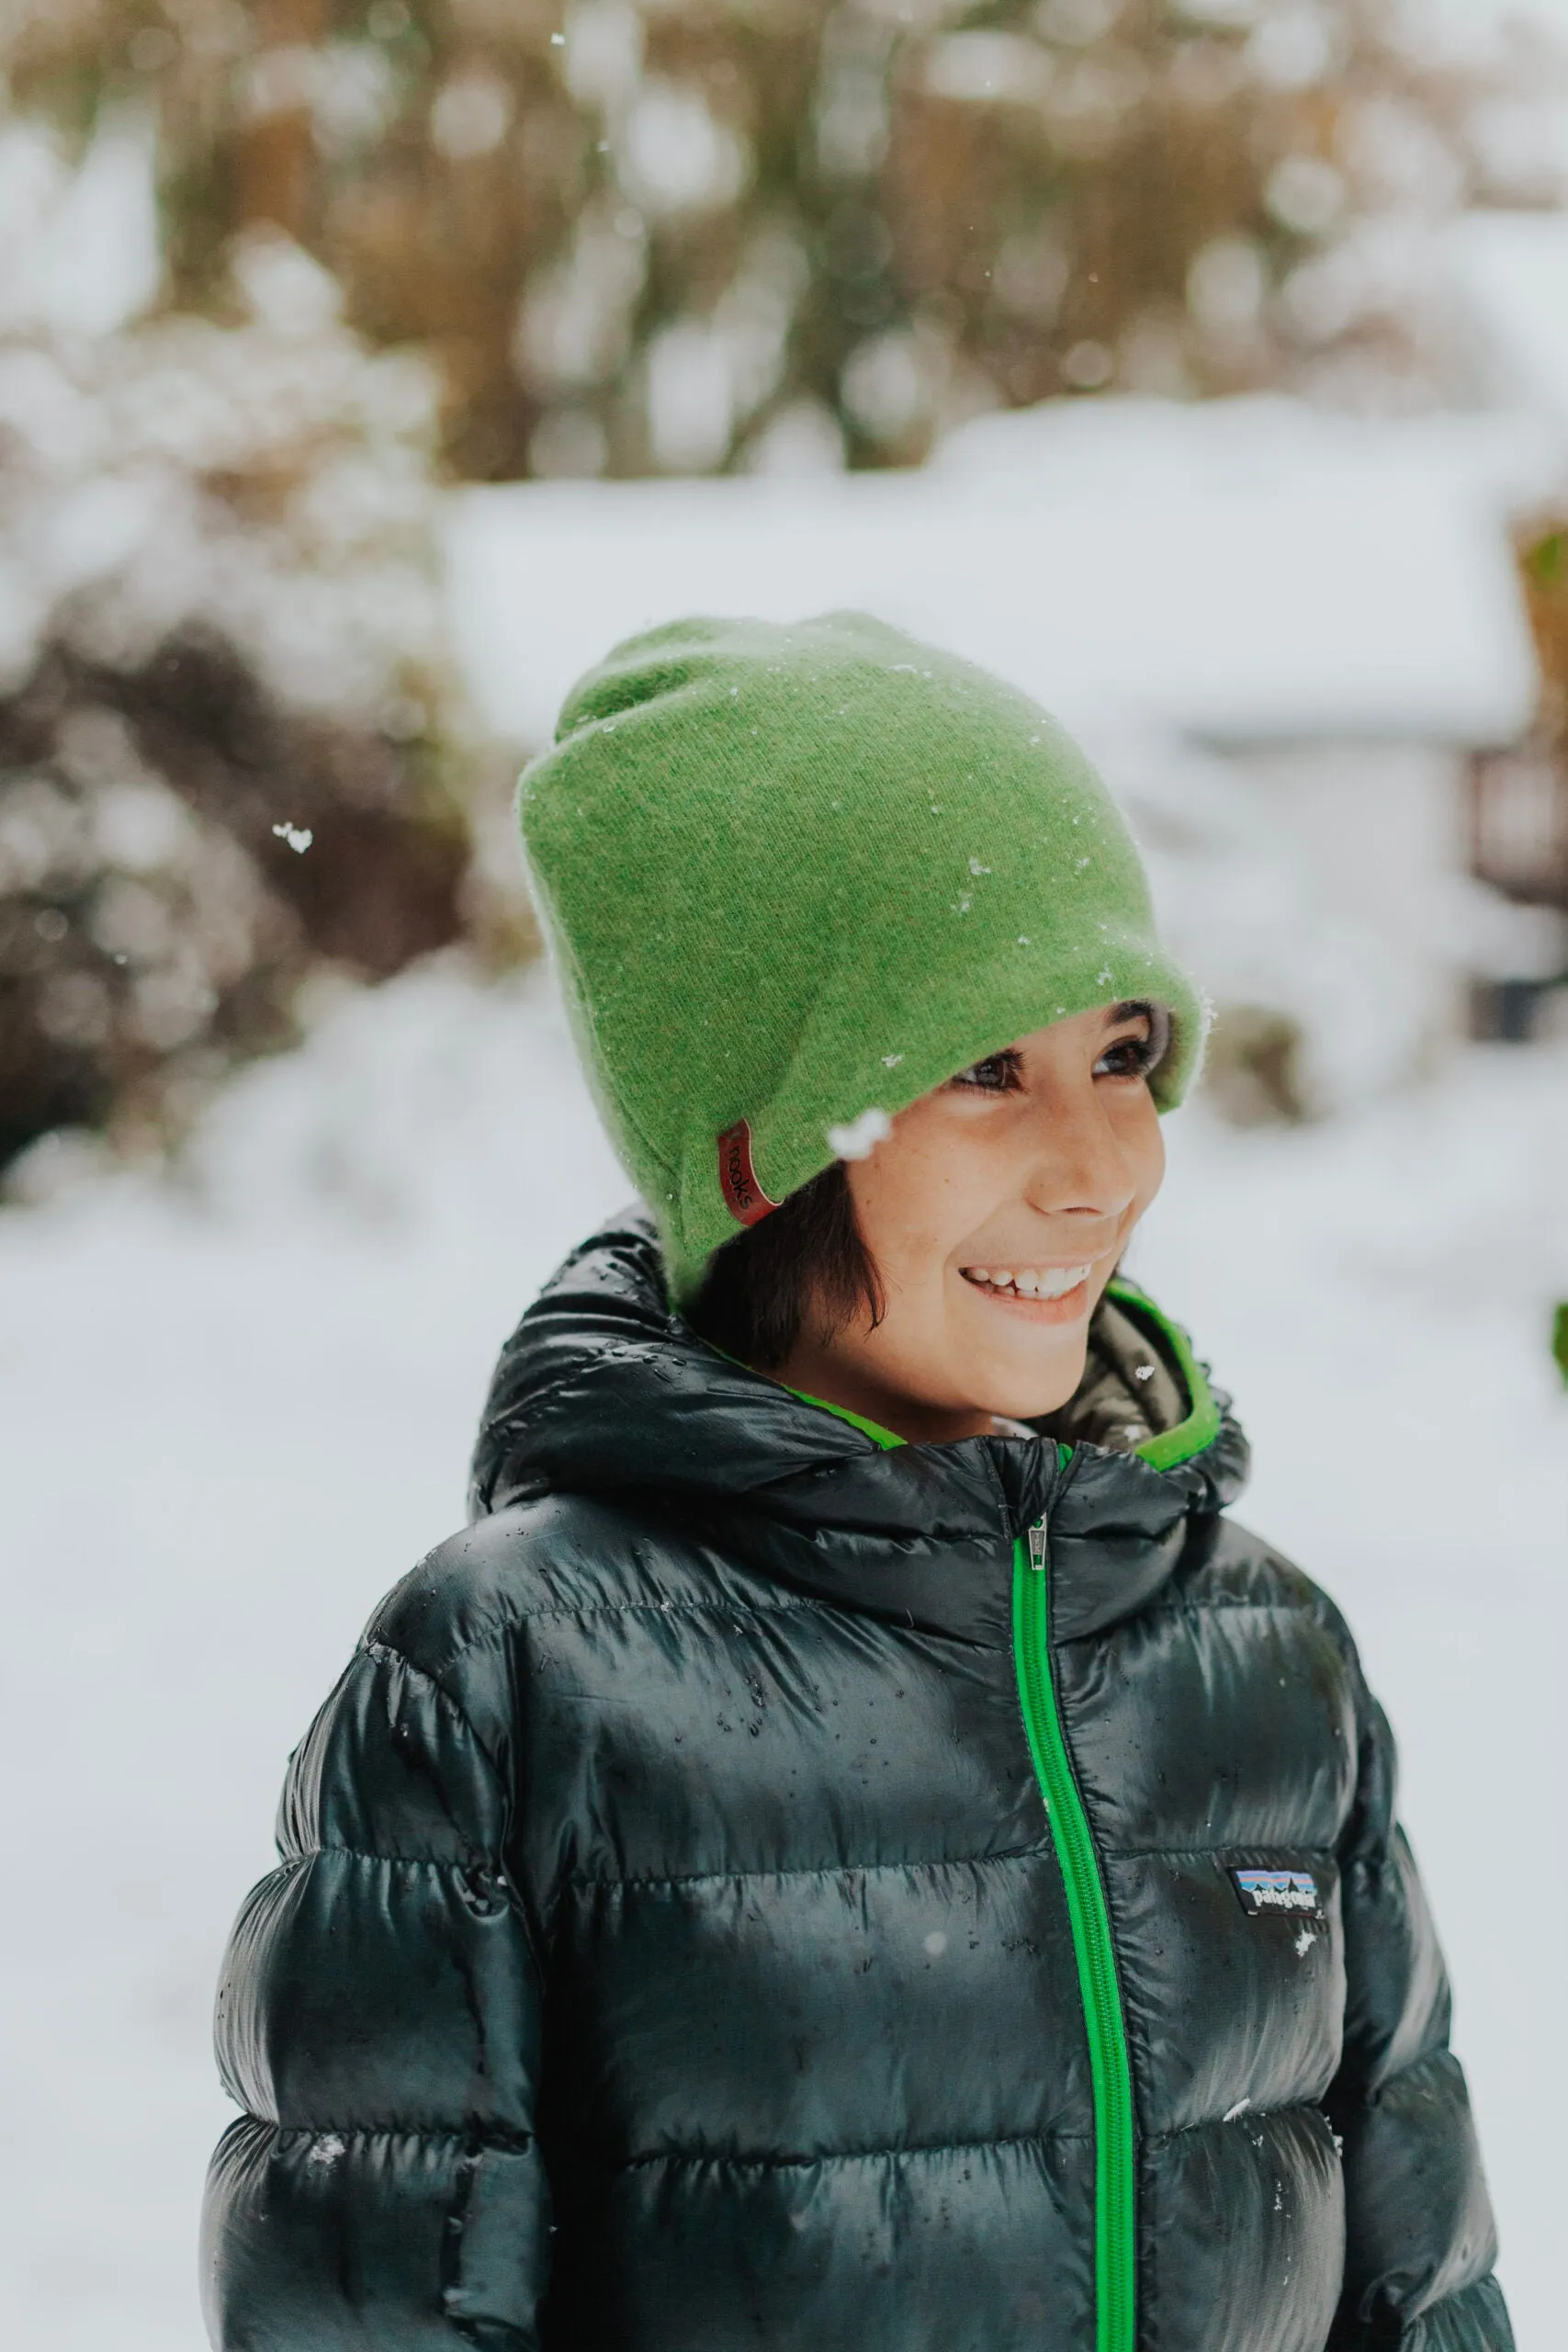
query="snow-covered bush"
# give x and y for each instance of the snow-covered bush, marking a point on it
(228, 738)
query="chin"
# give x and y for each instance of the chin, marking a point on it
(1026, 1391)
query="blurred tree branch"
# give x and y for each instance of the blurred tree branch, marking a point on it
(701, 233)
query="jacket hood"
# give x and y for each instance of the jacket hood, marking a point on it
(605, 1390)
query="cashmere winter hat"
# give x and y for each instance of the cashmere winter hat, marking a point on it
(797, 877)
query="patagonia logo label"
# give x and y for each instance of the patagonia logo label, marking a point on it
(743, 1196)
(1294, 1891)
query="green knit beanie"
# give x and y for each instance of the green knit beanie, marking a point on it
(797, 877)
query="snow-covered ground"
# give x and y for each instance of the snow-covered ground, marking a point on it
(234, 1408)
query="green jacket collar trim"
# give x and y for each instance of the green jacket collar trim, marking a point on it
(1167, 1448)
(886, 1439)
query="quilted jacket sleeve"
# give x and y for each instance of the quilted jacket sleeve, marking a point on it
(1420, 2240)
(378, 2022)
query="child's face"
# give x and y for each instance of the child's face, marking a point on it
(1035, 1165)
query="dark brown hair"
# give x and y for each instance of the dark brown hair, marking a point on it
(807, 1256)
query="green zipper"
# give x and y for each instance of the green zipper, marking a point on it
(1115, 2194)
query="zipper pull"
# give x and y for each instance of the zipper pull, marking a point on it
(1037, 1543)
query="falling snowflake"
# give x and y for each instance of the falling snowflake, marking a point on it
(299, 837)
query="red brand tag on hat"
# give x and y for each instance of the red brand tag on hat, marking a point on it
(743, 1196)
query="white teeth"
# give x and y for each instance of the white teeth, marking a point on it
(1030, 1281)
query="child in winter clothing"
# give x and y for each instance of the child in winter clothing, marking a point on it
(853, 1847)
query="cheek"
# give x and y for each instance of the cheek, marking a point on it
(915, 1200)
(1143, 1141)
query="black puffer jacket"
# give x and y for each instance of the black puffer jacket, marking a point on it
(759, 1889)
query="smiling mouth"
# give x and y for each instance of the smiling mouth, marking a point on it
(1029, 1282)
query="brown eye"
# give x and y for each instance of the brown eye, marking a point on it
(1136, 1057)
(998, 1074)
(1128, 1058)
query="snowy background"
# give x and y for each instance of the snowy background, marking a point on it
(242, 1350)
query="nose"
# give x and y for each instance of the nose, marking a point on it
(1080, 1167)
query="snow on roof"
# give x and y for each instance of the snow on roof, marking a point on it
(1238, 570)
